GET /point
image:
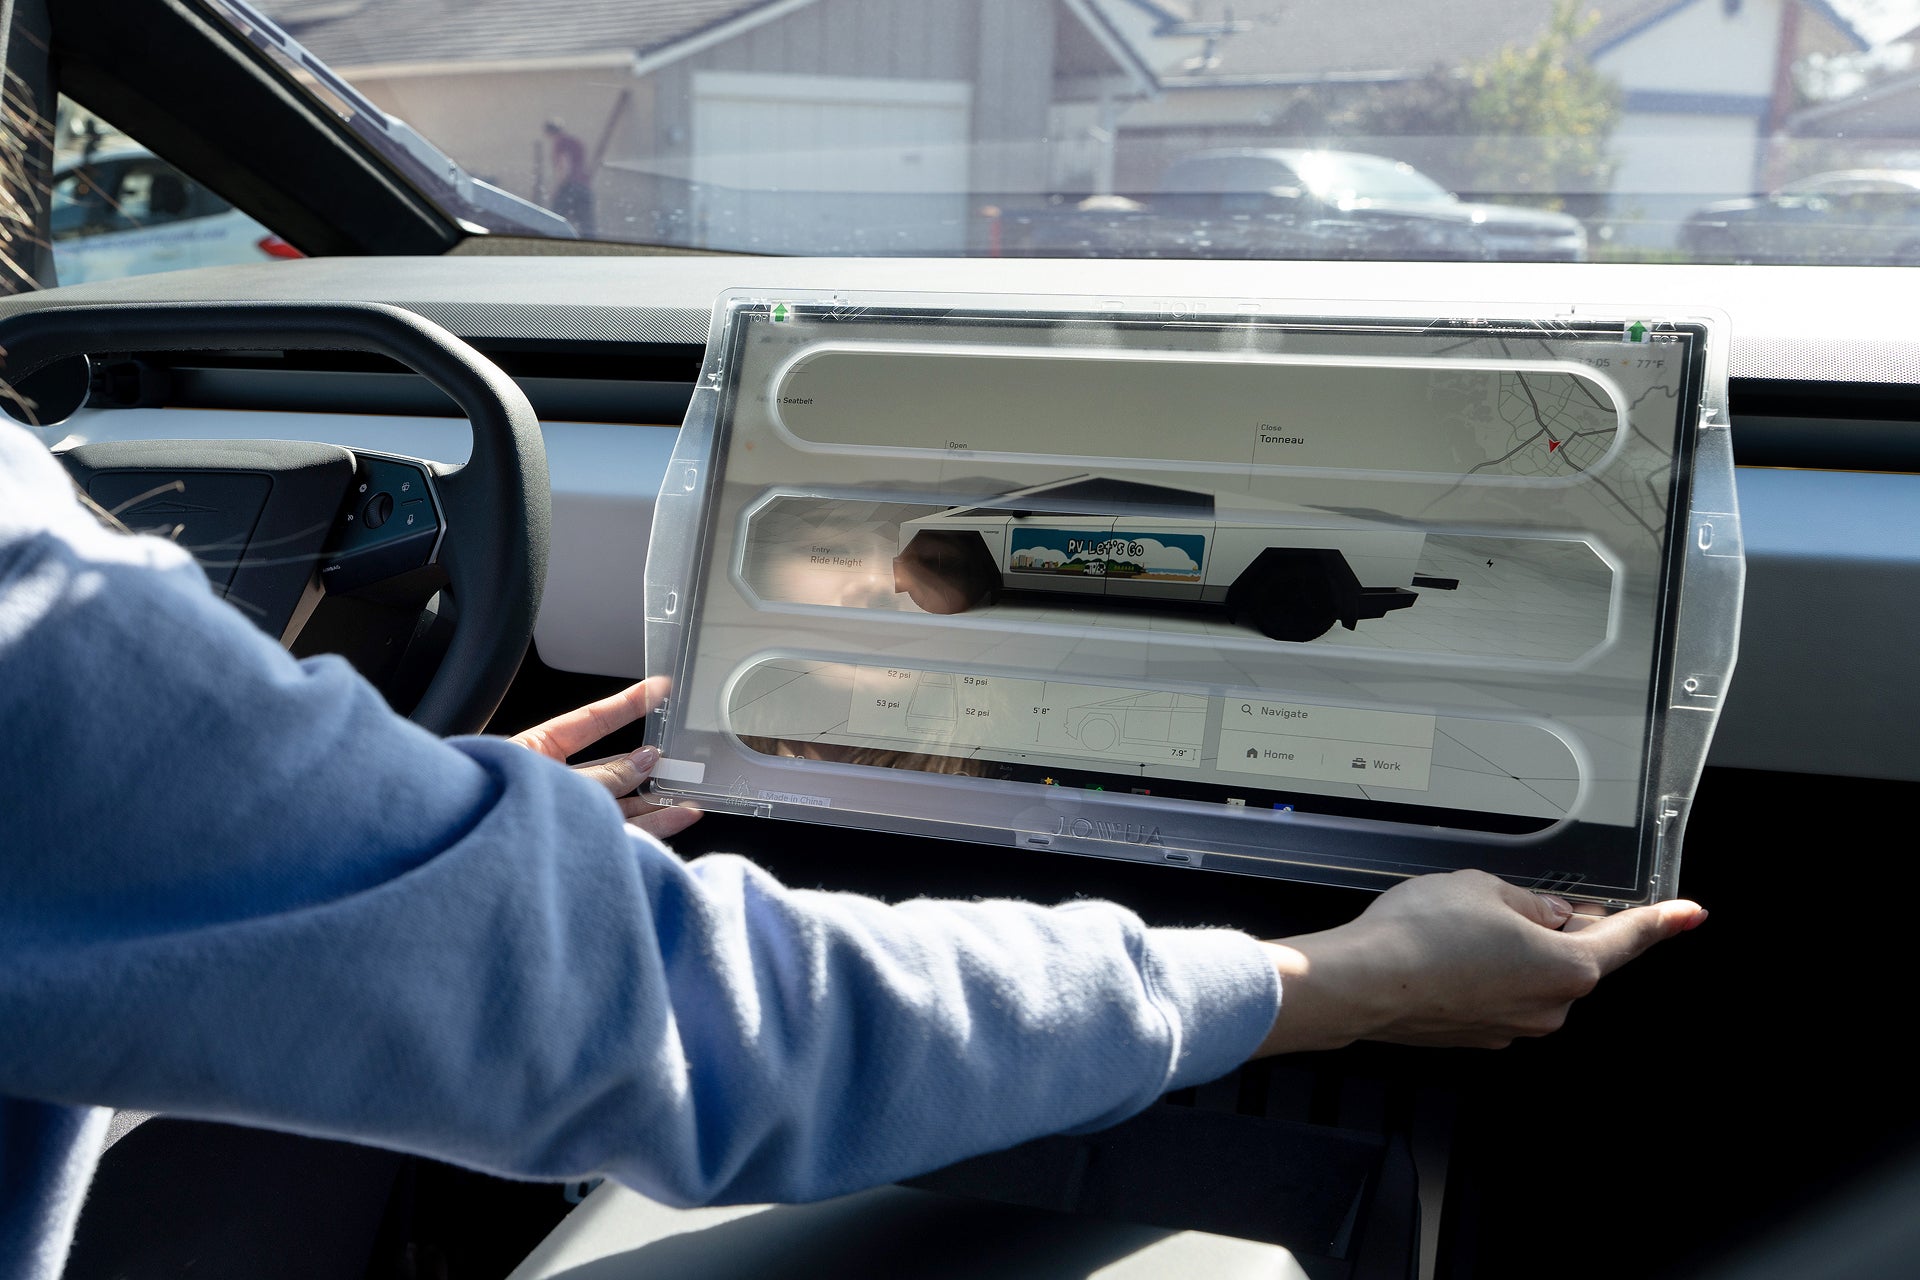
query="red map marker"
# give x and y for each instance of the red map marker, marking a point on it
(1552, 444)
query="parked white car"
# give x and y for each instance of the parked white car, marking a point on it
(130, 213)
(1291, 582)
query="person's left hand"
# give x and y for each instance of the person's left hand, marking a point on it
(569, 734)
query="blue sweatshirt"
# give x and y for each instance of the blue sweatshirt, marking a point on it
(236, 887)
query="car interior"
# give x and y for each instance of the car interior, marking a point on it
(1738, 1103)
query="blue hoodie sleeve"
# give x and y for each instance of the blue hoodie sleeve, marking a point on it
(237, 887)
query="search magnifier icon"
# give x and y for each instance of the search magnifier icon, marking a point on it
(1247, 707)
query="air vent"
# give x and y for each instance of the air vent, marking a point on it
(1832, 426)
(607, 382)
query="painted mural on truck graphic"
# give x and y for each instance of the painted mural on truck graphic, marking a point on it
(1289, 581)
(1136, 554)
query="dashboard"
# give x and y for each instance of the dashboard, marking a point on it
(1825, 365)
(1825, 396)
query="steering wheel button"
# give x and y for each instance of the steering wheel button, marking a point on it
(379, 510)
(417, 514)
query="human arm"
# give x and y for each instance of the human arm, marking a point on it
(236, 887)
(1454, 960)
(1441, 960)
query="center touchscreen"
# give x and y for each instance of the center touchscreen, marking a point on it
(1331, 598)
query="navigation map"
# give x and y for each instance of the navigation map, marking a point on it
(1551, 427)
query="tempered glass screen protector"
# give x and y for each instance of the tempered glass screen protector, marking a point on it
(1273, 590)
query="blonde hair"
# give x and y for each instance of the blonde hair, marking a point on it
(873, 757)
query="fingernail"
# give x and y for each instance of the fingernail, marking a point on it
(1558, 905)
(1694, 921)
(646, 757)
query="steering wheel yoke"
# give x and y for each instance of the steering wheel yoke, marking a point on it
(279, 524)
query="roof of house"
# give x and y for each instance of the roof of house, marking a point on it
(1881, 111)
(1267, 41)
(350, 34)
(1282, 41)
(357, 33)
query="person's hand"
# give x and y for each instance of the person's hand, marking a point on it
(569, 734)
(1463, 959)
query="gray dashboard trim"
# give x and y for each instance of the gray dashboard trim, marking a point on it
(1829, 323)
(1825, 682)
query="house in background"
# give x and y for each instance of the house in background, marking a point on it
(779, 126)
(1703, 84)
(1877, 126)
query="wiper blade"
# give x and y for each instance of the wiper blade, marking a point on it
(479, 206)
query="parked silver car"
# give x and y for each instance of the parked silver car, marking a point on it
(127, 212)
(1383, 208)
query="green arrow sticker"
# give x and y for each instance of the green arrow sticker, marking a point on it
(1634, 331)
(781, 313)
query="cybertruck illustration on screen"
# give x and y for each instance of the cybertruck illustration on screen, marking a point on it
(1288, 581)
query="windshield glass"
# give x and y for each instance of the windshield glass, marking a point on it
(1625, 130)
(116, 209)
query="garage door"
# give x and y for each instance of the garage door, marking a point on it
(830, 164)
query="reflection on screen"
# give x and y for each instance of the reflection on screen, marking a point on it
(1394, 572)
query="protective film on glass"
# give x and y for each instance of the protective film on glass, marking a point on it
(1266, 590)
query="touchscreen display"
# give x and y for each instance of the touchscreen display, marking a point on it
(1257, 593)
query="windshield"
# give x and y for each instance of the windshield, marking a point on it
(1625, 130)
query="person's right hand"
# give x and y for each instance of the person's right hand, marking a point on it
(1463, 959)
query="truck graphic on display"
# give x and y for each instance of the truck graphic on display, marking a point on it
(1288, 581)
(1169, 723)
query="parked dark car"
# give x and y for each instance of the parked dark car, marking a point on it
(1279, 203)
(1865, 216)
